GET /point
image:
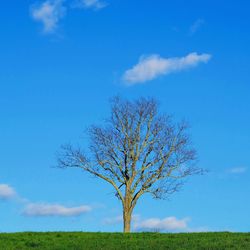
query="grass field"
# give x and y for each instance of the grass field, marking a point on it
(109, 241)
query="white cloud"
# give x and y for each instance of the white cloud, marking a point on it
(238, 170)
(113, 220)
(6, 192)
(152, 66)
(41, 210)
(90, 4)
(196, 26)
(156, 224)
(49, 14)
(166, 224)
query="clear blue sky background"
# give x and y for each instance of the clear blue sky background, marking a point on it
(54, 85)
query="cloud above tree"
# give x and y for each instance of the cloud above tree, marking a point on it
(150, 67)
(6, 192)
(90, 4)
(49, 13)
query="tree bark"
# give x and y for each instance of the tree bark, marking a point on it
(127, 210)
(127, 214)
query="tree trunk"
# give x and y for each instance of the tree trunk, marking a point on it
(127, 211)
(127, 220)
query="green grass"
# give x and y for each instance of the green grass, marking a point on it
(110, 241)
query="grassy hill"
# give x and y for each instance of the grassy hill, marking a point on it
(110, 241)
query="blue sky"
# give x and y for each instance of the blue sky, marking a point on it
(60, 63)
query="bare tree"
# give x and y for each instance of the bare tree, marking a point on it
(137, 151)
